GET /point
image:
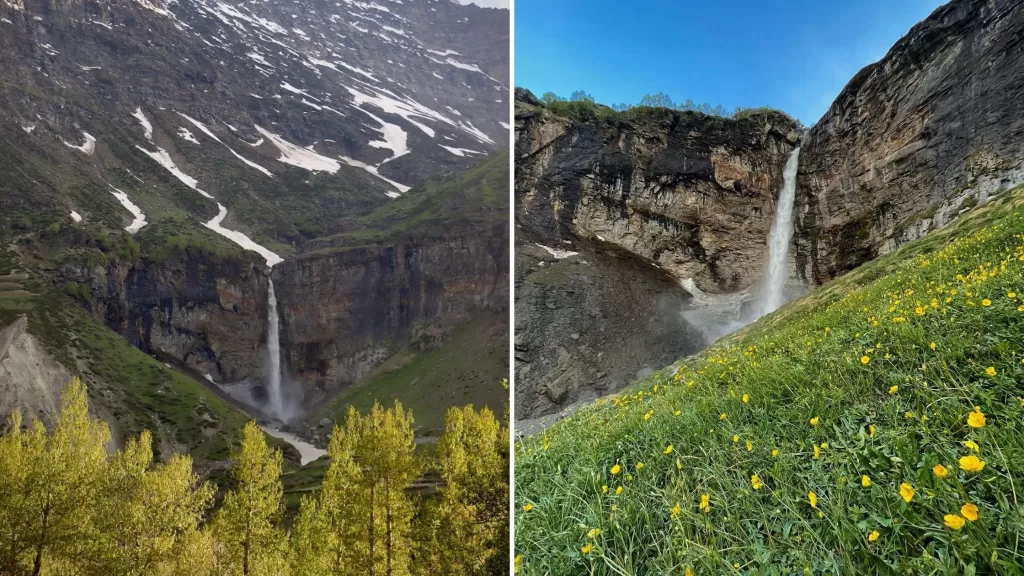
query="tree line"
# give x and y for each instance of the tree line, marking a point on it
(68, 507)
(659, 100)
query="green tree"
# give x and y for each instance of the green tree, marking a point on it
(246, 527)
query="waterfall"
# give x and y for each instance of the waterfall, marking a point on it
(274, 352)
(773, 285)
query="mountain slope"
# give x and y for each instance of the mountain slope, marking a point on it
(815, 434)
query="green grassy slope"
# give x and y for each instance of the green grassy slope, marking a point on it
(855, 393)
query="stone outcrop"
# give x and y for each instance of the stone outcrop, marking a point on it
(933, 128)
(346, 310)
(30, 379)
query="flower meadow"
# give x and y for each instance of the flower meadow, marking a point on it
(875, 426)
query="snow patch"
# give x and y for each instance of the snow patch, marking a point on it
(402, 188)
(239, 238)
(89, 147)
(209, 133)
(558, 253)
(301, 157)
(76, 217)
(140, 218)
(186, 135)
(29, 129)
(164, 159)
(145, 123)
(459, 151)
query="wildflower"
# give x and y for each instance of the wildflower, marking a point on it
(527, 507)
(953, 522)
(907, 492)
(594, 533)
(871, 430)
(705, 502)
(750, 446)
(972, 463)
(746, 398)
(940, 471)
(677, 412)
(932, 345)
(865, 360)
(722, 416)
(817, 452)
(668, 449)
(735, 438)
(688, 572)
(972, 445)
(893, 390)
(991, 371)
(647, 417)
(976, 419)
(865, 481)
(517, 564)
(755, 481)
(639, 466)
(969, 511)
(616, 469)
(1011, 294)
(587, 548)
(812, 498)
(676, 511)
(604, 489)
(873, 536)
(814, 421)
(775, 452)
(679, 464)
(986, 302)
(618, 490)
(629, 477)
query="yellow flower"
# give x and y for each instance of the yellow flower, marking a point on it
(722, 416)
(587, 548)
(865, 481)
(940, 471)
(594, 533)
(972, 463)
(676, 511)
(639, 466)
(678, 412)
(972, 445)
(528, 507)
(616, 469)
(814, 421)
(668, 449)
(1011, 294)
(907, 491)
(932, 345)
(688, 572)
(812, 498)
(705, 502)
(953, 521)
(991, 371)
(893, 390)
(817, 452)
(871, 430)
(517, 564)
(969, 511)
(647, 416)
(873, 536)
(750, 446)
(865, 359)
(746, 398)
(976, 419)
(618, 490)
(735, 438)
(755, 481)
(986, 302)
(775, 452)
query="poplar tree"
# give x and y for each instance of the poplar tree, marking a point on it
(250, 541)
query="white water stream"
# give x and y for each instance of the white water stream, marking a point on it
(773, 285)
(274, 352)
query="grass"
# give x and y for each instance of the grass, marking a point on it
(874, 374)
(466, 369)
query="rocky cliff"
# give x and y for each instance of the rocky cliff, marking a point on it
(932, 129)
(614, 213)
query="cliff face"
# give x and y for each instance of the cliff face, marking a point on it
(693, 194)
(206, 313)
(346, 310)
(912, 140)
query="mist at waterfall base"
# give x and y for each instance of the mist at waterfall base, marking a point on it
(717, 315)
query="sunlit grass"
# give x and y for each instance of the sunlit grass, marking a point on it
(855, 394)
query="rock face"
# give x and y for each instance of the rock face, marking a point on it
(346, 310)
(692, 193)
(30, 380)
(614, 212)
(933, 128)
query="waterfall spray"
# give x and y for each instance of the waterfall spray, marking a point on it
(274, 352)
(774, 284)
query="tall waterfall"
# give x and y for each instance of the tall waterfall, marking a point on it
(274, 351)
(773, 285)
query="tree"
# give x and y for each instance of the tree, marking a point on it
(550, 98)
(249, 540)
(581, 96)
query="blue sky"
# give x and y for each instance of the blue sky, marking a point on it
(795, 55)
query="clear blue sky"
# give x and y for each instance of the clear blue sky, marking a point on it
(795, 55)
